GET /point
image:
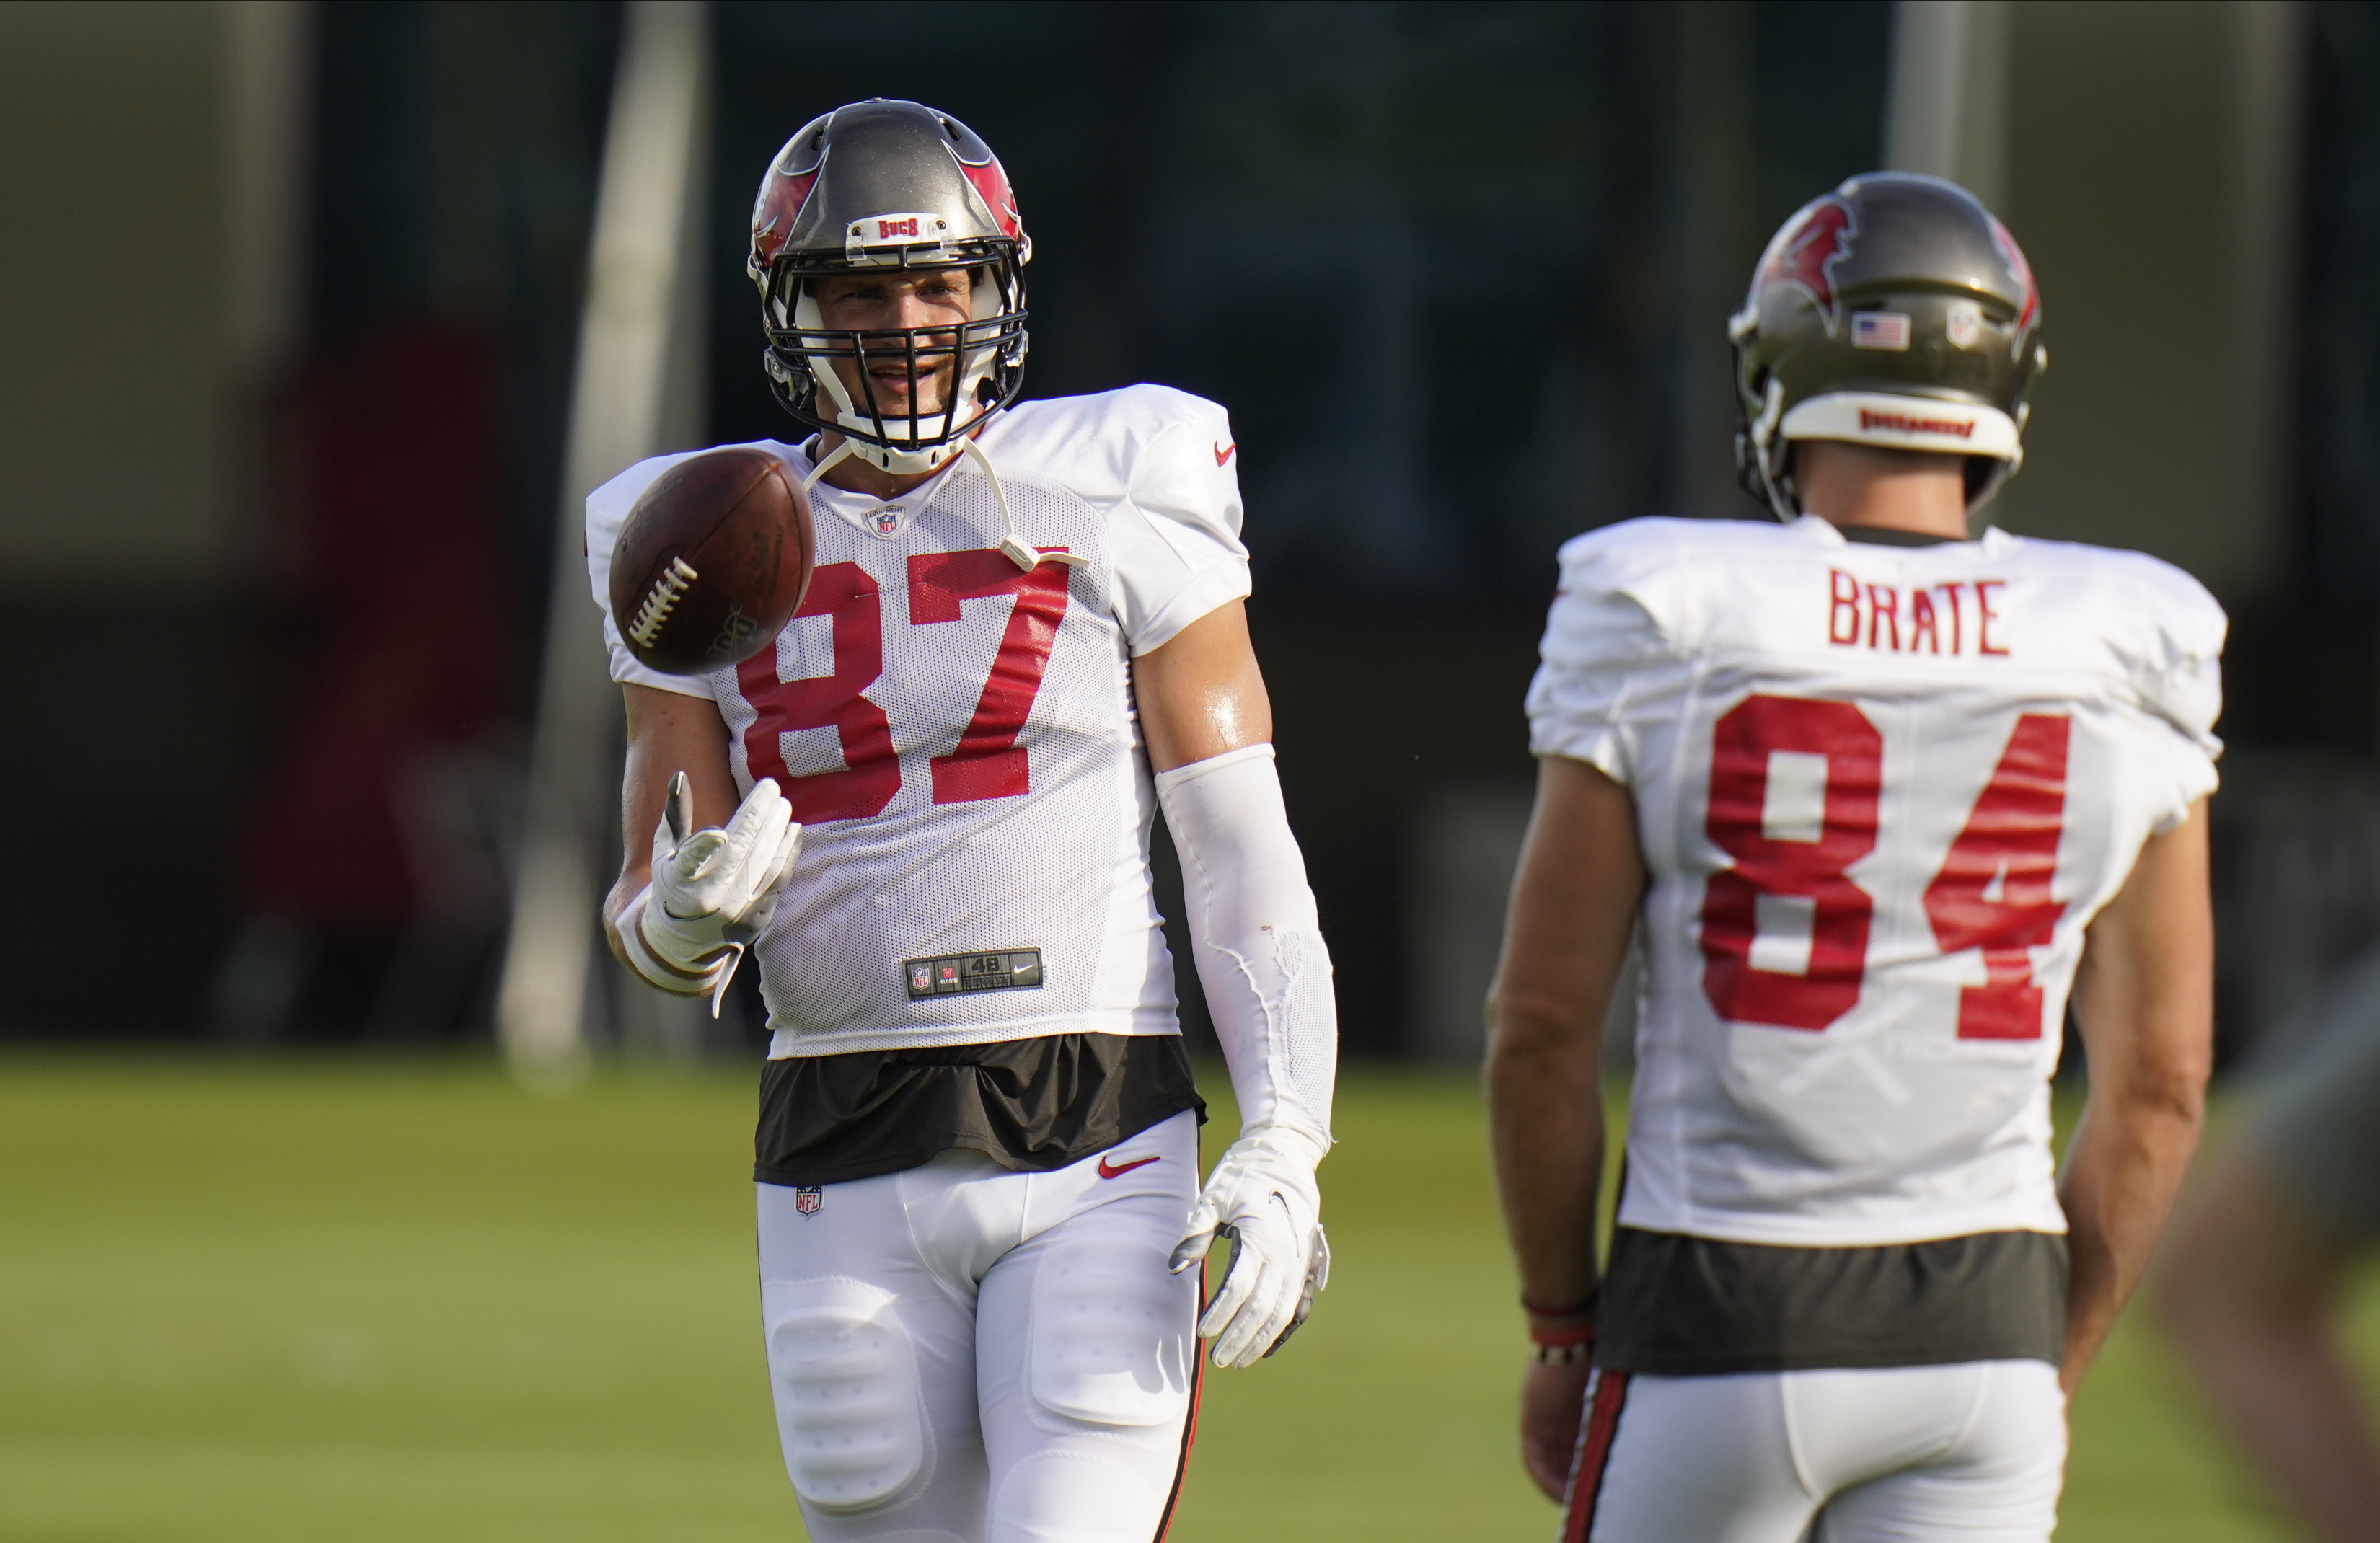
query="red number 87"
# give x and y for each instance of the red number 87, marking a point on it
(1992, 891)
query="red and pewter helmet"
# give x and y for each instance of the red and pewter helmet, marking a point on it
(890, 185)
(1893, 311)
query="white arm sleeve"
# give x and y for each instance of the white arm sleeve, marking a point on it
(1256, 936)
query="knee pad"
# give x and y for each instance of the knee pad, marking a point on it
(1112, 1335)
(850, 1411)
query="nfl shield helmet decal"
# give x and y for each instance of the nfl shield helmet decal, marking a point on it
(808, 1198)
(1963, 323)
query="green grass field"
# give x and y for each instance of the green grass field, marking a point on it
(383, 1299)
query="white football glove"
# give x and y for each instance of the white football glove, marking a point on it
(712, 891)
(1262, 1196)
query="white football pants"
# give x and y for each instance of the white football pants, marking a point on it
(961, 1353)
(1974, 1451)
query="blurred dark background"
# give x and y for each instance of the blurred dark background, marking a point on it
(297, 292)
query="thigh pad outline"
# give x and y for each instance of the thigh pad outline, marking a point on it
(850, 1410)
(1111, 1337)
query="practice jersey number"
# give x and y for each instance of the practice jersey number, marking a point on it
(1794, 851)
(986, 763)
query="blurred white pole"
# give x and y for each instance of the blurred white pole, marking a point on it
(267, 83)
(651, 187)
(1947, 99)
(268, 90)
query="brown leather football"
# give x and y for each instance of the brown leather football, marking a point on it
(712, 561)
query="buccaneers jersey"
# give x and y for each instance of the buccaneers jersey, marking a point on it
(958, 735)
(1880, 791)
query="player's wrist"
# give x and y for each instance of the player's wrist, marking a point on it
(665, 961)
(1289, 1142)
(1562, 1334)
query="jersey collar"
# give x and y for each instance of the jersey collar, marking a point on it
(1992, 538)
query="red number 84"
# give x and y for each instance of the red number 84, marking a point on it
(1992, 891)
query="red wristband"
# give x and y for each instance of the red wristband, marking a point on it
(1561, 1327)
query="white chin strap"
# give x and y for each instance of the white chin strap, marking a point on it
(1011, 545)
(985, 304)
(1767, 454)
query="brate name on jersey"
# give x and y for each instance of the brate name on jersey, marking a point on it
(1003, 970)
(1936, 618)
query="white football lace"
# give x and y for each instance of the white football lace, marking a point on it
(660, 602)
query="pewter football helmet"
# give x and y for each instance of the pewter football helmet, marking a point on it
(890, 185)
(1894, 311)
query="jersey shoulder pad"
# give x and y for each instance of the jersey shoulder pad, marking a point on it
(2169, 631)
(1134, 411)
(1094, 444)
(1644, 567)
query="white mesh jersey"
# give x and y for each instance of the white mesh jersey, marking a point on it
(959, 736)
(1880, 791)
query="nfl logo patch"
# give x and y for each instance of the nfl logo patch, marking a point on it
(1963, 324)
(807, 1198)
(887, 520)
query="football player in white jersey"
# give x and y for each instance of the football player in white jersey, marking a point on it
(976, 1162)
(1877, 791)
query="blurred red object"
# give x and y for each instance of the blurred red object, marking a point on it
(394, 483)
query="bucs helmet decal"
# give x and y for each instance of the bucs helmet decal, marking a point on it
(784, 191)
(991, 185)
(1805, 251)
(2021, 270)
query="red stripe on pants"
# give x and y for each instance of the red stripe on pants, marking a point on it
(1190, 1423)
(1606, 1393)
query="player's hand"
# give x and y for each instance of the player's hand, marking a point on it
(1262, 1195)
(714, 889)
(1553, 1401)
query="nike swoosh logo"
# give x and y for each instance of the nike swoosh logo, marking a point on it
(1223, 452)
(1108, 1173)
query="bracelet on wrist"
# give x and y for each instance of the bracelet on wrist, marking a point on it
(1582, 1307)
(1563, 1336)
(1580, 1312)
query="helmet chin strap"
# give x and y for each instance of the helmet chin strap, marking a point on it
(1769, 455)
(1010, 543)
(984, 305)
(984, 302)
(839, 452)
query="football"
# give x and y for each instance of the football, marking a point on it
(712, 561)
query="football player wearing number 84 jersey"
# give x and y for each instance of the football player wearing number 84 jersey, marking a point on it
(979, 1208)
(1879, 792)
